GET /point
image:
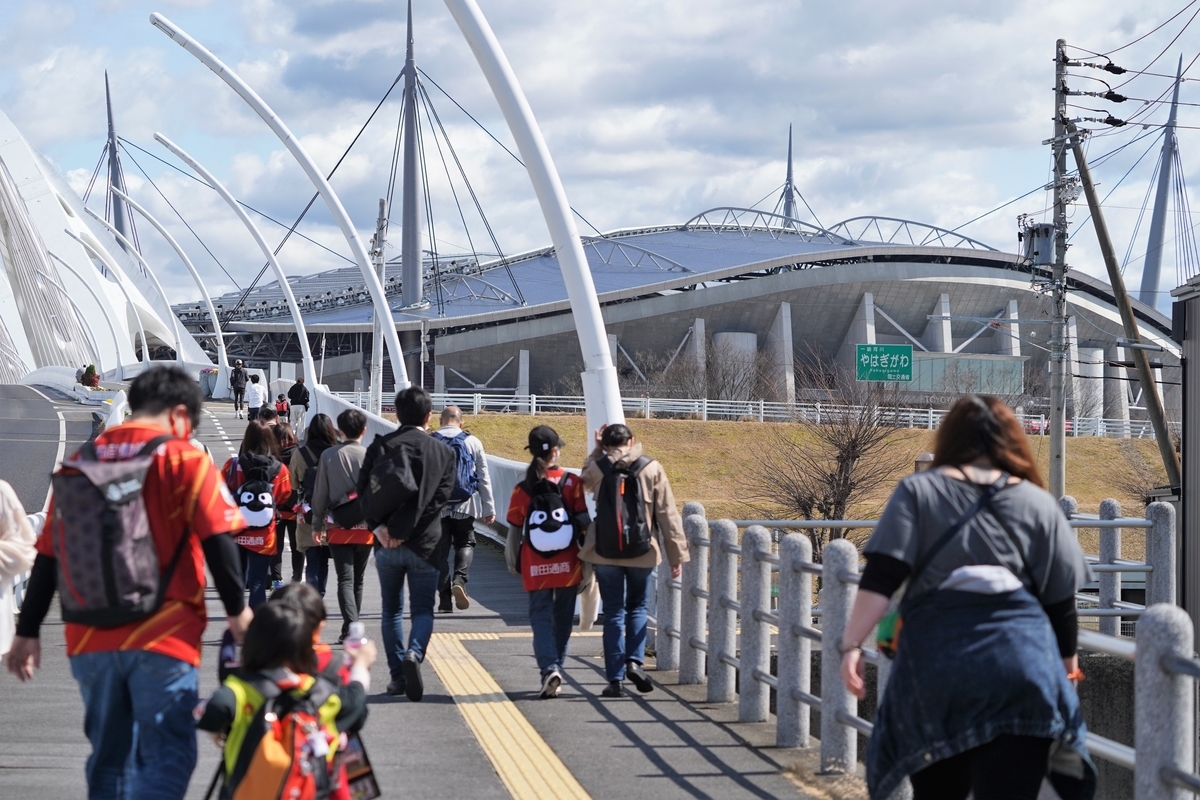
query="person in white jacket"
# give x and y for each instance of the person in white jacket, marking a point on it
(16, 557)
(256, 398)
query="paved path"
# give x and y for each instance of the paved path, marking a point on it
(480, 732)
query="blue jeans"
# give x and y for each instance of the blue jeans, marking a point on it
(255, 569)
(394, 566)
(551, 615)
(316, 567)
(139, 720)
(623, 599)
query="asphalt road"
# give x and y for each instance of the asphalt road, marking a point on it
(30, 432)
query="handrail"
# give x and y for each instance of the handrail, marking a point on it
(731, 579)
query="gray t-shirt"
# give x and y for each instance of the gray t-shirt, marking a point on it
(926, 504)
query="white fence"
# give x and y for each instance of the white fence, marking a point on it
(719, 629)
(760, 411)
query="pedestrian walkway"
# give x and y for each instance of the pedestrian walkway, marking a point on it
(480, 732)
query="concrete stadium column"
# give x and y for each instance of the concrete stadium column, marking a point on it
(783, 355)
(1116, 391)
(612, 347)
(1090, 395)
(937, 333)
(862, 329)
(1008, 343)
(439, 379)
(735, 360)
(523, 379)
(1073, 385)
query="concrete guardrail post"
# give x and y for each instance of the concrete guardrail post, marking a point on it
(1164, 733)
(693, 612)
(666, 640)
(839, 744)
(1110, 551)
(754, 699)
(795, 652)
(1068, 505)
(722, 621)
(1160, 554)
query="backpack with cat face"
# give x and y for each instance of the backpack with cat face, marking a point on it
(255, 495)
(549, 528)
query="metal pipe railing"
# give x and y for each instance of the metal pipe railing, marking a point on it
(1162, 757)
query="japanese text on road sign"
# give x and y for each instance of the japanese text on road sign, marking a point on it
(883, 362)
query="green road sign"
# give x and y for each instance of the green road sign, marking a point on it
(883, 362)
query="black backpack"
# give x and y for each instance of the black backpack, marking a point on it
(391, 483)
(255, 495)
(108, 567)
(548, 528)
(622, 530)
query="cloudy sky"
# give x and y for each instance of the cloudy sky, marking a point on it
(654, 110)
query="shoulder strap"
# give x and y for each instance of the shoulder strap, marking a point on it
(985, 497)
(154, 444)
(639, 465)
(310, 460)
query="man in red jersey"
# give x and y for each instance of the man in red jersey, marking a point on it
(139, 680)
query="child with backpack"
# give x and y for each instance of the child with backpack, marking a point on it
(634, 509)
(259, 483)
(282, 407)
(280, 720)
(547, 515)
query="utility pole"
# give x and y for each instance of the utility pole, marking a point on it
(1058, 286)
(1154, 404)
(378, 259)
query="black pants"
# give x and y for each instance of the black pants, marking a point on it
(459, 533)
(350, 564)
(1007, 768)
(288, 526)
(239, 398)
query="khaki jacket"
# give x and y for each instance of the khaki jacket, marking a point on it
(659, 505)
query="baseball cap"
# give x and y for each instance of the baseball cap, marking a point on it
(543, 439)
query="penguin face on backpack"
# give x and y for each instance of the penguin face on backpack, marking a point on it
(257, 503)
(548, 527)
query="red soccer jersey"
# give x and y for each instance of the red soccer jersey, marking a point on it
(183, 494)
(262, 540)
(560, 570)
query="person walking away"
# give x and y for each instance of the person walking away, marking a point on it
(267, 415)
(256, 398)
(285, 514)
(280, 672)
(986, 654)
(547, 516)
(406, 481)
(303, 466)
(238, 378)
(337, 518)
(299, 397)
(470, 500)
(17, 554)
(259, 483)
(282, 407)
(635, 508)
(135, 658)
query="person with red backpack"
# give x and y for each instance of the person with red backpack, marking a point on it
(135, 651)
(547, 515)
(634, 509)
(280, 719)
(259, 483)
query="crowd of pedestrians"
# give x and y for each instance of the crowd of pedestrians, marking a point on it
(983, 559)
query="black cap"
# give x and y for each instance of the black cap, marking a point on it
(542, 440)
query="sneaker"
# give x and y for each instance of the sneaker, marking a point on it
(550, 683)
(460, 596)
(414, 688)
(395, 688)
(635, 673)
(276, 585)
(445, 609)
(614, 689)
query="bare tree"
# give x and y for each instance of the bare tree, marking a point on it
(837, 463)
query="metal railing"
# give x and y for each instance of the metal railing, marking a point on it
(718, 630)
(759, 411)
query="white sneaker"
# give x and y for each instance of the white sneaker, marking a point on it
(550, 683)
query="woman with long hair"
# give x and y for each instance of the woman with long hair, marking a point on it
(321, 436)
(260, 484)
(547, 518)
(981, 697)
(286, 512)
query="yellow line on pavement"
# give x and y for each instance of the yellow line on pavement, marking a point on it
(527, 766)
